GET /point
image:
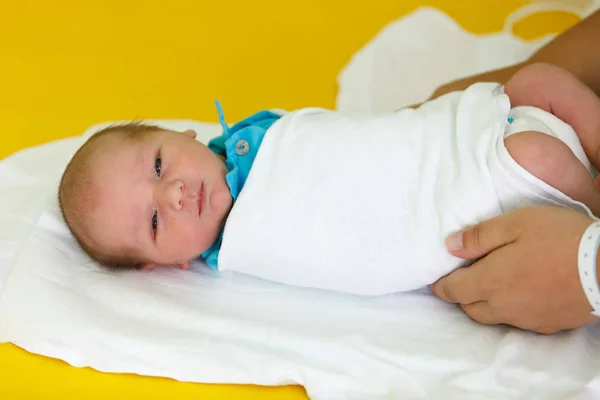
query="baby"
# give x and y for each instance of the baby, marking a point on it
(316, 198)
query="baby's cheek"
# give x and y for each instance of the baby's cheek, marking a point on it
(191, 238)
(181, 229)
(223, 203)
(196, 239)
(186, 248)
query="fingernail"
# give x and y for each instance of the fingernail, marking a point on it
(454, 242)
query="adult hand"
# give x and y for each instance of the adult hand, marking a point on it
(528, 276)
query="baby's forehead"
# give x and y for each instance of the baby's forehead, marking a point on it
(103, 154)
(115, 138)
(118, 142)
(121, 148)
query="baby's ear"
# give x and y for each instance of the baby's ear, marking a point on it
(190, 133)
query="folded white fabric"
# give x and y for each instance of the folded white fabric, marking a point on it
(361, 203)
(202, 326)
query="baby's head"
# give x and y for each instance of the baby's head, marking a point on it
(138, 195)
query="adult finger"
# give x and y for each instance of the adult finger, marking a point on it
(482, 312)
(465, 285)
(460, 286)
(481, 239)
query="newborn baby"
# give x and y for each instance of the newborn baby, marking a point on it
(317, 198)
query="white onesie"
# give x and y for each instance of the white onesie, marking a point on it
(362, 203)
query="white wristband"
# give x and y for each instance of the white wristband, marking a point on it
(586, 260)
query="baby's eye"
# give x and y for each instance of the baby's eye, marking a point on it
(158, 165)
(154, 223)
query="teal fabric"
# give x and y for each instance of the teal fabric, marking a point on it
(239, 145)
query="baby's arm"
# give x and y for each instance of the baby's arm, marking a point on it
(557, 91)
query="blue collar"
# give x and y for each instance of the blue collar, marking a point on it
(239, 145)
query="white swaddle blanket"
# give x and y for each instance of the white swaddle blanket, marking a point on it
(361, 203)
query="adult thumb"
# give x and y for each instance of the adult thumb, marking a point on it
(478, 240)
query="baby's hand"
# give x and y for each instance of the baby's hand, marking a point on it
(185, 265)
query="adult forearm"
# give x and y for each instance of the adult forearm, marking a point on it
(577, 50)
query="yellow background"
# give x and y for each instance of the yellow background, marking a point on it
(65, 65)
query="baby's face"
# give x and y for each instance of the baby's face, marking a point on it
(162, 196)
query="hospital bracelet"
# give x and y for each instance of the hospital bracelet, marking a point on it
(586, 261)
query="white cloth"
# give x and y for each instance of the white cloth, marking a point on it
(207, 327)
(361, 203)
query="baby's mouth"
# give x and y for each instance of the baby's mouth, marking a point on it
(200, 198)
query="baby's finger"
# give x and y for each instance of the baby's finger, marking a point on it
(185, 265)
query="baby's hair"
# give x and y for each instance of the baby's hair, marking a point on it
(76, 193)
(129, 129)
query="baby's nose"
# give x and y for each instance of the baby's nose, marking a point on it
(174, 194)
